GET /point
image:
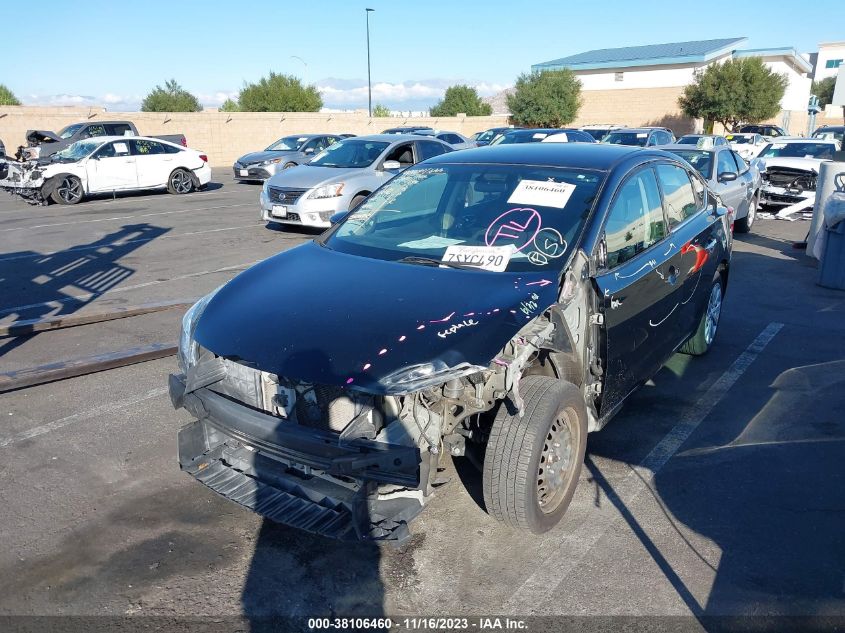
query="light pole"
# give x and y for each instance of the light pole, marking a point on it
(369, 82)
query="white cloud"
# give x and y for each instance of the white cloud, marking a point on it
(111, 101)
(216, 99)
(414, 94)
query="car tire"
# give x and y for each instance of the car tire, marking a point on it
(708, 326)
(744, 225)
(180, 182)
(68, 190)
(288, 165)
(518, 489)
(356, 201)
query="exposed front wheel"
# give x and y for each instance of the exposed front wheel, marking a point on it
(744, 225)
(702, 340)
(532, 463)
(180, 182)
(68, 191)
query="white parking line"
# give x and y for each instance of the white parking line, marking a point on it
(541, 586)
(99, 203)
(126, 217)
(168, 236)
(105, 409)
(57, 303)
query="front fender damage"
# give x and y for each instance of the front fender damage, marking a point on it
(27, 180)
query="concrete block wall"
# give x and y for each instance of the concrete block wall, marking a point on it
(634, 107)
(225, 136)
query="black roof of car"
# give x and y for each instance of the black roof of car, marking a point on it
(574, 155)
(829, 127)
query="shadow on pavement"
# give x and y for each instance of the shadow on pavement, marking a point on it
(31, 283)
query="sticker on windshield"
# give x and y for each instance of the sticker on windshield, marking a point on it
(540, 135)
(432, 241)
(542, 193)
(778, 145)
(494, 258)
(642, 134)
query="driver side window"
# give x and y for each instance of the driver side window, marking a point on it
(404, 154)
(635, 221)
(725, 164)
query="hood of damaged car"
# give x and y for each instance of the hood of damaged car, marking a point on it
(315, 315)
(42, 136)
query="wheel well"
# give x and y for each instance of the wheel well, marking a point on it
(50, 184)
(362, 193)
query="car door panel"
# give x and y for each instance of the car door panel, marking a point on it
(731, 192)
(639, 298)
(153, 164)
(111, 168)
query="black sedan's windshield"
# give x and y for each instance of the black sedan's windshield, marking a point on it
(70, 130)
(798, 150)
(701, 160)
(351, 153)
(626, 138)
(287, 144)
(493, 217)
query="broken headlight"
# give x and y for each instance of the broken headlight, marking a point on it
(416, 377)
(188, 348)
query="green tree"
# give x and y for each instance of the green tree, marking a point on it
(229, 106)
(736, 91)
(279, 93)
(549, 98)
(822, 89)
(7, 97)
(171, 98)
(459, 99)
(381, 110)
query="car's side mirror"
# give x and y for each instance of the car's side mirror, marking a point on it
(309, 150)
(337, 217)
(391, 164)
(728, 176)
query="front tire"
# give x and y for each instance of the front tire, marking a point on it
(180, 182)
(702, 340)
(68, 191)
(744, 225)
(532, 463)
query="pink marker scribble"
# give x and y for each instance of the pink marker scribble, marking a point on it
(541, 283)
(420, 327)
(349, 381)
(513, 226)
(402, 338)
(367, 366)
(443, 320)
(468, 314)
(383, 352)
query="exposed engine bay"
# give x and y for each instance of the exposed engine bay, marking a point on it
(25, 179)
(362, 465)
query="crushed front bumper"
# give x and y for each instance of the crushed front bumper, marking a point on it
(297, 475)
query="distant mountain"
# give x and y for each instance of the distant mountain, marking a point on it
(499, 102)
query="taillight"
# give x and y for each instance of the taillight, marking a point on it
(184, 142)
(204, 158)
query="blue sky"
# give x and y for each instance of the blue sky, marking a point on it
(418, 48)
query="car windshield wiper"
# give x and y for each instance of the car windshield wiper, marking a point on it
(430, 261)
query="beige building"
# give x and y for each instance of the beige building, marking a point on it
(640, 85)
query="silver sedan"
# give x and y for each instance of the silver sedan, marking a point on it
(736, 182)
(285, 153)
(341, 177)
(457, 141)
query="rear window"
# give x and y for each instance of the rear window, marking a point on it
(626, 138)
(701, 160)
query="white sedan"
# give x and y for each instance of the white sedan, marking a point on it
(107, 164)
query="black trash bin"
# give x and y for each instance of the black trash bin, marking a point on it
(832, 264)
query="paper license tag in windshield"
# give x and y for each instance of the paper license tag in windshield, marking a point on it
(542, 193)
(493, 258)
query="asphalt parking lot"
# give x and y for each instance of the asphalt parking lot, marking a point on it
(718, 490)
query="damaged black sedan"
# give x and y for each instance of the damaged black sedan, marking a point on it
(498, 303)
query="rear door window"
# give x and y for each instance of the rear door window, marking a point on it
(143, 147)
(429, 149)
(119, 129)
(94, 130)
